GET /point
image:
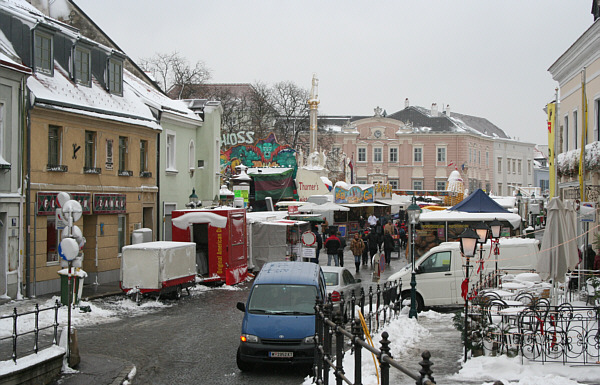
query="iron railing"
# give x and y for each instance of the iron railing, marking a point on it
(25, 342)
(342, 322)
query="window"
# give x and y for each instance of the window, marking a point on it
(508, 166)
(417, 185)
(361, 181)
(192, 155)
(418, 154)
(514, 167)
(393, 154)
(121, 232)
(394, 184)
(566, 135)
(51, 240)
(54, 146)
(170, 158)
(362, 154)
(440, 185)
(499, 165)
(2, 133)
(378, 154)
(519, 166)
(479, 156)
(529, 167)
(441, 155)
(143, 155)
(487, 159)
(438, 262)
(43, 55)
(90, 150)
(575, 129)
(81, 66)
(499, 192)
(123, 161)
(115, 76)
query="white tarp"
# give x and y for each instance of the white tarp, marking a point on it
(457, 216)
(215, 220)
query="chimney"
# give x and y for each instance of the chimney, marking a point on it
(406, 103)
(448, 110)
(434, 110)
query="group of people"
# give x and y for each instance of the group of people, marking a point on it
(380, 235)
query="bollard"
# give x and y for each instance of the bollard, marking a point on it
(385, 351)
(426, 365)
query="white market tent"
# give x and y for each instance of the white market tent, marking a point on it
(462, 216)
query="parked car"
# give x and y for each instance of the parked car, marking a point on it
(340, 280)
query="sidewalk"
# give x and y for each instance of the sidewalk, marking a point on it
(93, 368)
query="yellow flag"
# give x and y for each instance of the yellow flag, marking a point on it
(551, 120)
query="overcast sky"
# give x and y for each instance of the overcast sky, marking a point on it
(483, 58)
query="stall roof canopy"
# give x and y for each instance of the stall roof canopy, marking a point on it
(479, 202)
(364, 204)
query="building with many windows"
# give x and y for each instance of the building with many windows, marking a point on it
(88, 134)
(417, 149)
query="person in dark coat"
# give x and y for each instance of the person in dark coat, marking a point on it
(373, 243)
(341, 249)
(388, 247)
(319, 243)
(365, 253)
(597, 261)
(332, 244)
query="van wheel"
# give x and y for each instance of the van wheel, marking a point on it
(241, 364)
(420, 304)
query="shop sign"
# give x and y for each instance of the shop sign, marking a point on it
(107, 203)
(353, 195)
(46, 202)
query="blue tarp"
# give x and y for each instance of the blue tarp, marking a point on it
(479, 202)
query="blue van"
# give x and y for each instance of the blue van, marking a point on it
(279, 316)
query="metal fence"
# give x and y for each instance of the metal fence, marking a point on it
(337, 325)
(539, 331)
(28, 340)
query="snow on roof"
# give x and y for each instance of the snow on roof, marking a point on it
(199, 216)
(60, 91)
(157, 99)
(267, 170)
(461, 216)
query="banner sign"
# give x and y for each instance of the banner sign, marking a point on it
(107, 203)
(354, 195)
(46, 202)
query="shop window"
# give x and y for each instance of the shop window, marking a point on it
(51, 240)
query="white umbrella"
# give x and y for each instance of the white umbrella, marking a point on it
(559, 249)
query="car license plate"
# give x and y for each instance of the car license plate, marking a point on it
(281, 354)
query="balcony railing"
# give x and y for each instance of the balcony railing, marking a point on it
(57, 168)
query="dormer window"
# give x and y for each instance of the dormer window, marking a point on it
(115, 76)
(82, 66)
(43, 55)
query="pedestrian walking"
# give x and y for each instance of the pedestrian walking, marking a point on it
(365, 253)
(332, 245)
(388, 247)
(373, 244)
(341, 249)
(357, 247)
(372, 220)
(319, 239)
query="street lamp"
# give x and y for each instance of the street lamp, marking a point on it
(495, 228)
(468, 245)
(414, 212)
(193, 200)
(482, 231)
(519, 197)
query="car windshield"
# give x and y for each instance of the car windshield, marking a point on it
(331, 278)
(283, 299)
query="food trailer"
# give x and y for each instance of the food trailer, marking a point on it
(221, 241)
(158, 268)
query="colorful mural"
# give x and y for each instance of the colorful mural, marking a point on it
(354, 195)
(263, 153)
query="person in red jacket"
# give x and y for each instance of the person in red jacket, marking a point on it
(332, 245)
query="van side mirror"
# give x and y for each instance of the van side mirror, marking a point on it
(358, 280)
(418, 269)
(241, 306)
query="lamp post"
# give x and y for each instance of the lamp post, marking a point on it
(519, 197)
(193, 200)
(482, 231)
(414, 212)
(495, 227)
(468, 244)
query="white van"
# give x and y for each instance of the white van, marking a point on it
(440, 272)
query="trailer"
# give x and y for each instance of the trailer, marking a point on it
(221, 239)
(158, 268)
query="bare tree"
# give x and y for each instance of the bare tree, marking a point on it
(290, 104)
(173, 71)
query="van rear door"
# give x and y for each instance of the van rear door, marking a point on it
(437, 278)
